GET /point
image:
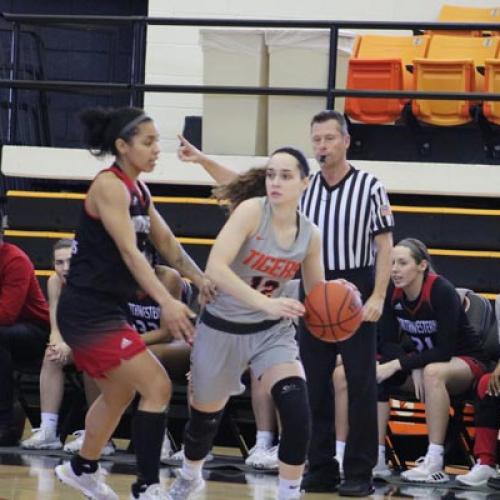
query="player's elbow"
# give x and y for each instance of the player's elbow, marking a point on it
(214, 270)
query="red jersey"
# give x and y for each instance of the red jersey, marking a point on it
(21, 298)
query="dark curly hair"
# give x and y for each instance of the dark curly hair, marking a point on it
(103, 126)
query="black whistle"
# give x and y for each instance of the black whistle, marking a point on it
(322, 158)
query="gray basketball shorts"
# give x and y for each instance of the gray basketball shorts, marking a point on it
(218, 359)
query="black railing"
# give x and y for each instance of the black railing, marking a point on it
(136, 88)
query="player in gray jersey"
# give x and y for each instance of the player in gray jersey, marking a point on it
(260, 248)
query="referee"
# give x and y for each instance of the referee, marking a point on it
(352, 211)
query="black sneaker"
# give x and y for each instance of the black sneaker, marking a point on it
(494, 482)
(323, 479)
(356, 488)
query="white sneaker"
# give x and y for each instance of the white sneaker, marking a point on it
(153, 492)
(182, 488)
(477, 476)
(166, 448)
(428, 470)
(178, 456)
(291, 496)
(263, 458)
(92, 486)
(76, 445)
(42, 439)
(381, 470)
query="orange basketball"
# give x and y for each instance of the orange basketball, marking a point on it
(333, 310)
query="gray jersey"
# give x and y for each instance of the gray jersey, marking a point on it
(264, 265)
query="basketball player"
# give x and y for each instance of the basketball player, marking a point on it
(57, 355)
(107, 268)
(427, 346)
(352, 211)
(260, 248)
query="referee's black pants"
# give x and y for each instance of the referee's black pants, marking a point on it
(358, 356)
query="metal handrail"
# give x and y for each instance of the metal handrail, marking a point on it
(136, 88)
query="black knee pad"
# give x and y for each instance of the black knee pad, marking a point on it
(199, 433)
(291, 400)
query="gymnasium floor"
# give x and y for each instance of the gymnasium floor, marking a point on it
(29, 476)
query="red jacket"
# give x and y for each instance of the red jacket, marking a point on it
(21, 298)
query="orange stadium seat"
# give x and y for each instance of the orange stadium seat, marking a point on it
(453, 65)
(379, 63)
(491, 109)
(462, 14)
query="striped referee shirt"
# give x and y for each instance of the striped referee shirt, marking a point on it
(349, 215)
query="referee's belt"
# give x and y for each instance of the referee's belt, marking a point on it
(232, 327)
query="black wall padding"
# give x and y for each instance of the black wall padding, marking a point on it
(479, 274)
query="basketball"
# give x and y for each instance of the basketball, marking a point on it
(333, 310)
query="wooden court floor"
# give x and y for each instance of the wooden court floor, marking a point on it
(31, 477)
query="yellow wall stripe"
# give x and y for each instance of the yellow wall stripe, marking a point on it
(483, 254)
(37, 234)
(445, 210)
(209, 201)
(81, 196)
(14, 233)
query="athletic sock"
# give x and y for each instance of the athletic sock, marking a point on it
(339, 449)
(436, 451)
(148, 430)
(191, 470)
(264, 439)
(81, 465)
(49, 422)
(288, 488)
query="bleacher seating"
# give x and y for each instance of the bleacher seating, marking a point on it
(467, 14)
(381, 63)
(491, 109)
(452, 64)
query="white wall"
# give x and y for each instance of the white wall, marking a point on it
(174, 55)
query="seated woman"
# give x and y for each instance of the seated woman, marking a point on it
(487, 417)
(426, 346)
(444, 357)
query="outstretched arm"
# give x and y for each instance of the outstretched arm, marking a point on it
(172, 251)
(190, 154)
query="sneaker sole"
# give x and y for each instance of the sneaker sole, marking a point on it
(425, 480)
(68, 481)
(261, 466)
(382, 474)
(471, 483)
(44, 447)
